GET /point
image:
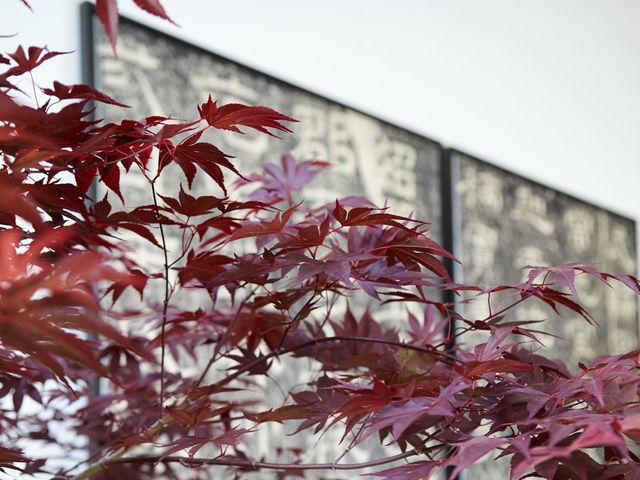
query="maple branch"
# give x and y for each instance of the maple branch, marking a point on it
(222, 461)
(252, 465)
(165, 304)
(444, 357)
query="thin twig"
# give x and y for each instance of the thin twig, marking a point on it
(505, 309)
(165, 305)
(296, 318)
(185, 249)
(33, 86)
(224, 339)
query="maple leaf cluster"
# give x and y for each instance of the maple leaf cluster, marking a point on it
(150, 383)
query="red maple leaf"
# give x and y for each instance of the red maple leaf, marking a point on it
(233, 115)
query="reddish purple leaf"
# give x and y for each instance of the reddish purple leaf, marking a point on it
(422, 470)
(107, 11)
(29, 60)
(82, 92)
(154, 7)
(230, 117)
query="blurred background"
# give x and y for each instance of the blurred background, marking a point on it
(546, 89)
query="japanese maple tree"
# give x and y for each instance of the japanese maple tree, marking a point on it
(158, 371)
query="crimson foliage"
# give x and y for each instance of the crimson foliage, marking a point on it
(277, 276)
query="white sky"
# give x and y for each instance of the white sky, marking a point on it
(549, 89)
